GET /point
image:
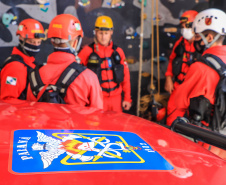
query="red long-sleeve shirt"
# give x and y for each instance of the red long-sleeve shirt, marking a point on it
(103, 52)
(17, 72)
(200, 80)
(189, 48)
(83, 91)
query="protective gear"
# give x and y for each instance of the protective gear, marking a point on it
(83, 91)
(103, 23)
(65, 27)
(200, 110)
(30, 50)
(187, 33)
(107, 76)
(54, 93)
(188, 16)
(210, 19)
(219, 116)
(30, 28)
(94, 63)
(180, 59)
(198, 47)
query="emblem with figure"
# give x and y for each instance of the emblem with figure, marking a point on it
(77, 150)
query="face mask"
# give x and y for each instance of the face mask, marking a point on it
(187, 33)
(198, 47)
(29, 49)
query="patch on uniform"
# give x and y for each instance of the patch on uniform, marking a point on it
(36, 151)
(11, 80)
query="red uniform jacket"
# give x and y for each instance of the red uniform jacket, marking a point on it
(186, 57)
(17, 72)
(103, 52)
(200, 80)
(83, 91)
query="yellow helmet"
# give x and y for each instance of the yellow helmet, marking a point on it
(103, 23)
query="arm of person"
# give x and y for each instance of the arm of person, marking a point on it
(84, 55)
(126, 86)
(169, 72)
(95, 95)
(13, 80)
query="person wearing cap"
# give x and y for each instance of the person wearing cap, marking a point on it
(182, 56)
(65, 32)
(201, 80)
(108, 62)
(15, 68)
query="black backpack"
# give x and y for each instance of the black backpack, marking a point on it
(55, 93)
(219, 115)
(18, 58)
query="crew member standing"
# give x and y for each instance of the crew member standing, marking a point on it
(108, 61)
(15, 69)
(62, 78)
(182, 54)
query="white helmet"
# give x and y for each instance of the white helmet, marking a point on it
(210, 19)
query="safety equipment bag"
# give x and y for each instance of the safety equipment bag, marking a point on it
(54, 93)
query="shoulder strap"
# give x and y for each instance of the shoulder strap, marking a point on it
(92, 46)
(36, 81)
(13, 58)
(68, 76)
(215, 63)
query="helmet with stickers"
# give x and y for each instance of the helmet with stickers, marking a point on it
(210, 19)
(30, 28)
(65, 27)
(103, 23)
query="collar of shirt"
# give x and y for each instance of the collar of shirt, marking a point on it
(60, 57)
(27, 59)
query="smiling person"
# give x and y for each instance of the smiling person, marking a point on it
(108, 62)
(15, 69)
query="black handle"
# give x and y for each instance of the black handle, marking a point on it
(182, 125)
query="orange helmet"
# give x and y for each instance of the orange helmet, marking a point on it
(188, 17)
(65, 26)
(30, 28)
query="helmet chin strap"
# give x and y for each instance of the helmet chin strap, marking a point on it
(22, 45)
(75, 51)
(211, 43)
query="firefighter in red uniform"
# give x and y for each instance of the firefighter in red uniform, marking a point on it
(182, 54)
(108, 62)
(201, 80)
(181, 57)
(66, 35)
(15, 69)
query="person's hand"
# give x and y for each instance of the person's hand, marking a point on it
(126, 105)
(169, 84)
